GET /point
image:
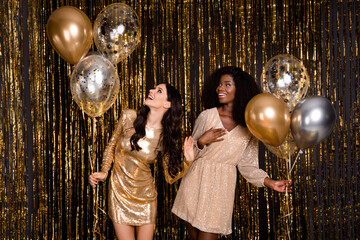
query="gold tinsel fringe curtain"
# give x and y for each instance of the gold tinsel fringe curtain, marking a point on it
(46, 141)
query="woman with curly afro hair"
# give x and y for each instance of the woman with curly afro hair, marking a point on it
(223, 144)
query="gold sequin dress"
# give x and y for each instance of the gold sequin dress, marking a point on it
(206, 195)
(132, 194)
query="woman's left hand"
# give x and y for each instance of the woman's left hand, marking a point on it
(278, 185)
(189, 149)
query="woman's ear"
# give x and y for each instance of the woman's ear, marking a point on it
(167, 104)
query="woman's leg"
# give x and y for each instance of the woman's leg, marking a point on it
(192, 230)
(206, 236)
(196, 234)
(124, 232)
(145, 232)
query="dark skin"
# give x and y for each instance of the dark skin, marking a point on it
(226, 93)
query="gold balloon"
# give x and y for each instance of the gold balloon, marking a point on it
(268, 119)
(70, 33)
(286, 149)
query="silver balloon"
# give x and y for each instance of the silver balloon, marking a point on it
(116, 31)
(285, 76)
(94, 85)
(312, 120)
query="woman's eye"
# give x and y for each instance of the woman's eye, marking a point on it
(159, 91)
(228, 85)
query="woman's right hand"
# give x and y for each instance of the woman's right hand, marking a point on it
(189, 149)
(96, 177)
(210, 136)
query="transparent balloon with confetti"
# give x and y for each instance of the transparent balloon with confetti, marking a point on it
(285, 76)
(117, 31)
(94, 85)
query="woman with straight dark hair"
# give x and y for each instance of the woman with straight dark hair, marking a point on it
(205, 198)
(137, 141)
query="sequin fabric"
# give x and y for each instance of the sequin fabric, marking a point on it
(132, 194)
(206, 195)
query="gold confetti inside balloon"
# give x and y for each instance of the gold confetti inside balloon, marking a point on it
(94, 85)
(116, 31)
(286, 77)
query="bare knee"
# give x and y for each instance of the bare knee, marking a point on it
(145, 232)
(193, 231)
(206, 236)
(124, 232)
(196, 234)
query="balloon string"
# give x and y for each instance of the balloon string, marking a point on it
(288, 214)
(96, 228)
(92, 155)
(297, 156)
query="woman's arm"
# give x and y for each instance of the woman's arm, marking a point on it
(249, 169)
(108, 157)
(110, 148)
(249, 164)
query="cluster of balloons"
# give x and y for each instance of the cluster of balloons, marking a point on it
(94, 81)
(282, 118)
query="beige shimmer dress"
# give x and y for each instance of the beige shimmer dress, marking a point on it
(206, 195)
(132, 194)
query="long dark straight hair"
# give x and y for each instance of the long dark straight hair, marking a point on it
(171, 130)
(246, 88)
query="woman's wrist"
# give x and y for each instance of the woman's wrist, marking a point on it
(200, 144)
(105, 173)
(269, 182)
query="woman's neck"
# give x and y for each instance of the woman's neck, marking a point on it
(154, 118)
(226, 109)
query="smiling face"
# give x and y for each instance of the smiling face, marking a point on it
(158, 98)
(226, 89)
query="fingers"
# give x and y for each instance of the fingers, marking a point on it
(219, 132)
(92, 181)
(287, 186)
(218, 140)
(95, 178)
(188, 148)
(283, 186)
(189, 141)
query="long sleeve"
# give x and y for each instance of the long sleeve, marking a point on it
(108, 157)
(249, 164)
(185, 168)
(198, 131)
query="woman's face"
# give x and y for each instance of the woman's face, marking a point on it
(157, 98)
(226, 89)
